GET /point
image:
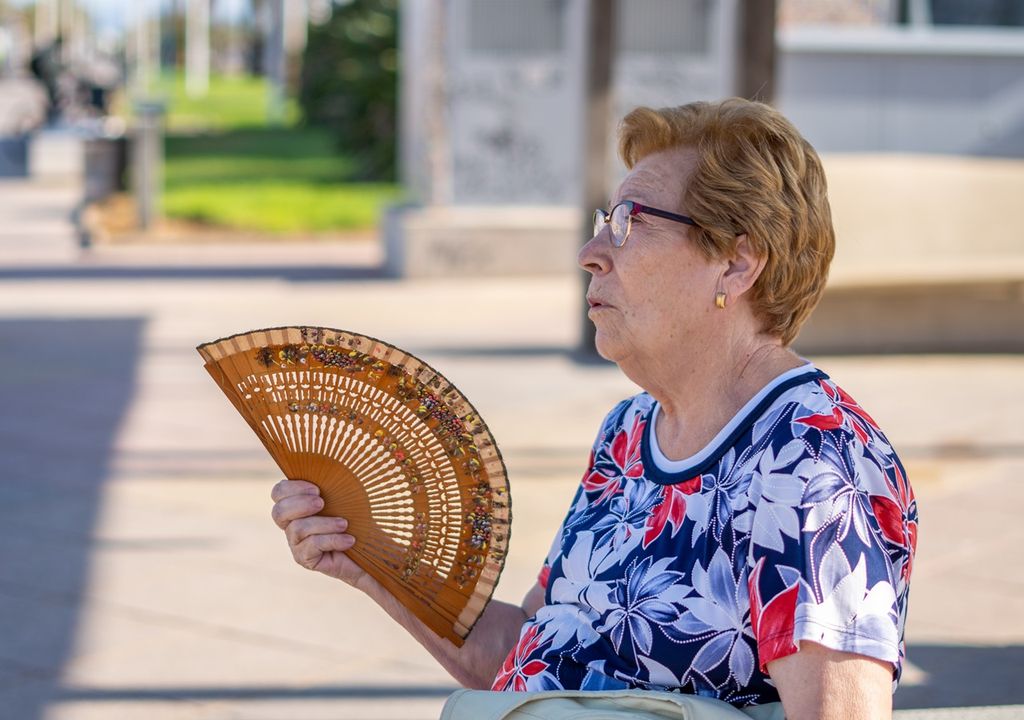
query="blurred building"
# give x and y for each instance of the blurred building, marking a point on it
(938, 77)
(926, 76)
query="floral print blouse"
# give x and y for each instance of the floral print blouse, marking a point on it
(797, 522)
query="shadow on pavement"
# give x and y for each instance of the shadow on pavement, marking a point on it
(964, 676)
(66, 386)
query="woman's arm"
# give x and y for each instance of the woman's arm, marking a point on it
(319, 543)
(475, 664)
(821, 683)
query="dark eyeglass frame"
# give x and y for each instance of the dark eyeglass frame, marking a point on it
(603, 219)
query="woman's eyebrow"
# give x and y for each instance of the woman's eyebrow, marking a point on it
(638, 198)
(637, 193)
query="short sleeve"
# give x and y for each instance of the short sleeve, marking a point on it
(822, 564)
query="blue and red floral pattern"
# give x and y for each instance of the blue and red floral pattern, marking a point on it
(800, 525)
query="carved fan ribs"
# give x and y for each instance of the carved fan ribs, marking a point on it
(394, 448)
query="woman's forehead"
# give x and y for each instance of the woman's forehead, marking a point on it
(659, 177)
(648, 186)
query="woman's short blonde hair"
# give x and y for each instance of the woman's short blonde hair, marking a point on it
(757, 175)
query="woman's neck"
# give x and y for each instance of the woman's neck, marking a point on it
(701, 391)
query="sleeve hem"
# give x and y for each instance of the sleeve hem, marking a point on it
(843, 640)
(542, 576)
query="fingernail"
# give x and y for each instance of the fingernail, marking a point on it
(342, 523)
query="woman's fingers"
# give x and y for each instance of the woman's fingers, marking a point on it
(317, 543)
(287, 488)
(294, 507)
(310, 551)
(298, 530)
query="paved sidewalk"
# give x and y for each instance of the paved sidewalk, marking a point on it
(140, 575)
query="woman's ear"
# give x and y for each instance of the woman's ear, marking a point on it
(743, 268)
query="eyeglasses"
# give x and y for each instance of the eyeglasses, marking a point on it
(620, 218)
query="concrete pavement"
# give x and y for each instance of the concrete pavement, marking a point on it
(140, 575)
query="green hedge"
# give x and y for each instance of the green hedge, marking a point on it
(349, 83)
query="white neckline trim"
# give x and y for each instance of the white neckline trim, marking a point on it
(674, 466)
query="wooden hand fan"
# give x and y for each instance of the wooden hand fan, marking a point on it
(393, 446)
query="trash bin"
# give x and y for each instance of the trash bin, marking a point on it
(105, 161)
(14, 156)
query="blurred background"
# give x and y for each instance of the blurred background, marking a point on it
(423, 171)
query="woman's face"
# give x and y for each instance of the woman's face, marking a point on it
(655, 293)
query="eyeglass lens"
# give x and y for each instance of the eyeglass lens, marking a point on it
(599, 222)
(619, 222)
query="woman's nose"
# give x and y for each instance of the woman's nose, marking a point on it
(593, 256)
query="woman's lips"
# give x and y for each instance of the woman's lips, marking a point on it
(597, 304)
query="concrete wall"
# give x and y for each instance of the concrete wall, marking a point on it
(936, 91)
(513, 83)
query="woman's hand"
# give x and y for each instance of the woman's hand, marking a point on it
(317, 543)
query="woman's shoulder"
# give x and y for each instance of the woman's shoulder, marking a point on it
(825, 406)
(823, 432)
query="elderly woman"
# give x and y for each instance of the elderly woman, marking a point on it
(744, 530)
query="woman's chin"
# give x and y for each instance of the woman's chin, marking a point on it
(608, 346)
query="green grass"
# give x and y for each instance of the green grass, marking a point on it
(279, 180)
(281, 207)
(232, 102)
(226, 165)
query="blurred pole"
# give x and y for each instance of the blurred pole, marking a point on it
(147, 162)
(79, 33)
(47, 24)
(920, 13)
(914, 13)
(296, 26)
(320, 11)
(155, 37)
(141, 47)
(147, 45)
(67, 31)
(197, 48)
(274, 60)
(599, 54)
(438, 142)
(756, 62)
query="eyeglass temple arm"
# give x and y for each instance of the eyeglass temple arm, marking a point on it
(638, 208)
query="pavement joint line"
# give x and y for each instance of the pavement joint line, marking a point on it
(169, 620)
(340, 691)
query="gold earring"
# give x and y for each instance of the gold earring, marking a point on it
(720, 300)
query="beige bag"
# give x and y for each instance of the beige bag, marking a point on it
(597, 705)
